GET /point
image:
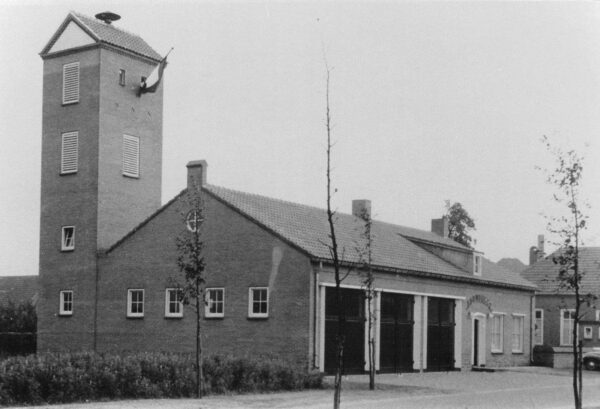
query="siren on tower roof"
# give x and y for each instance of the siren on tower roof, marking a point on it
(108, 17)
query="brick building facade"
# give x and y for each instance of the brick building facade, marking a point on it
(108, 254)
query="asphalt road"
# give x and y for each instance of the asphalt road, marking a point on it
(515, 389)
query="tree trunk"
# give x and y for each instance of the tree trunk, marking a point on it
(371, 338)
(199, 374)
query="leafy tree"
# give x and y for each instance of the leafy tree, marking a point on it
(566, 178)
(460, 223)
(190, 260)
(18, 317)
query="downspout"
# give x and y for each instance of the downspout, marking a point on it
(95, 339)
(531, 324)
(315, 315)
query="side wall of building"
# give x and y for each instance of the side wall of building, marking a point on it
(239, 255)
(473, 301)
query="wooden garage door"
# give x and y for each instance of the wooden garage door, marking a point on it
(353, 302)
(396, 333)
(440, 334)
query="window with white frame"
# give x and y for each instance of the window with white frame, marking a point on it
(66, 303)
(69, 153)
(131, 156)
(597, 315)
(215, 303)
(518, 321)
(567, 321)
(70, 91)
(135, 303)
(173, 303)
(477, 264)
(497, 333)
(538, 333)
(122, 77)
(258, 306)
(68, 238)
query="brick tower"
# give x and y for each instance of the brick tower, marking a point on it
(101, 166)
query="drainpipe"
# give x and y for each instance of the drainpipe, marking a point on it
(316, 322)
(531, 323)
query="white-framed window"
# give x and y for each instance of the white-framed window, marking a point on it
(122, 77)
(597, 315)
(69, 153)
(258, 305)
(567, 321)
(497, 333)
(68, 238)
(193, 220)
(588, 332)
(215, 303)
(131, 156)
(173, 304)
(538, 331)
(66, 303)
(70, 91)
(135, 303)
(518, 322)
(477, 264)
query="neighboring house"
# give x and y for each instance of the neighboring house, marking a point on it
(108, 254)
(19, 289)
(554, 307)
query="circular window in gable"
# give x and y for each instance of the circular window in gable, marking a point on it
(193, 220)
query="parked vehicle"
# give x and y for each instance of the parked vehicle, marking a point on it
(591, 359)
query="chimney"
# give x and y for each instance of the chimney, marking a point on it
(196, 174)
(361, 208)
(540, 245)
(440, 226)
(537, 253)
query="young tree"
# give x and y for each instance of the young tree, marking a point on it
(190, 260)
(335, 257)
(459, 223)
(566, 178)
(365, 252)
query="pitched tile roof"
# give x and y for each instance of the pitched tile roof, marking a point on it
(107, 33)
(18, 289)
(544, 272)
(306, 227)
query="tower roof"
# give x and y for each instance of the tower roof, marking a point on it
(101, 32)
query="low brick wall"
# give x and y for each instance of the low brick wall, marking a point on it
(555, 357)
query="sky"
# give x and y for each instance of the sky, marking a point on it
(430, 101)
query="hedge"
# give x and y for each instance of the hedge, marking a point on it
(63, 378)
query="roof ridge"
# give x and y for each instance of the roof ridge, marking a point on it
(93, 19)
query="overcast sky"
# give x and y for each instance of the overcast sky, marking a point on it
(430, 101)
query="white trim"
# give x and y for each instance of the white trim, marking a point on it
(477, 264)
(500, 315)
(168, 313)
(482, 342)
(389, 290)
(61, 307)
(252, 314)
(130, 301)
(458, 333)
(541, 328)
(377, 328)
(322, 329)
(64, 246)
(417, 332)
(521, 333)
(207, 305)
(424, 332)
(586, 329)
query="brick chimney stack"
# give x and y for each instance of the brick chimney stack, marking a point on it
(361, 208)
(440, 226)
(196, 175)
(537, 253)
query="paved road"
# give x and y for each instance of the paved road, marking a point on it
(515, 389)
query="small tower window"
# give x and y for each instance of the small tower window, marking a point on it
(131, 156)
(68, 238)
(70, 83)
(122, 77)
(66, 303)
(69, 153)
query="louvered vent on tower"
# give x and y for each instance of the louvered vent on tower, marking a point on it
(69, 152)
(71, 83)
(131, 156)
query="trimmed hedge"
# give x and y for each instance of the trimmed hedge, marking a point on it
(63, 378)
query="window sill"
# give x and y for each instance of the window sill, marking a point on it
(131, 176)
(135, 317)
(259, 318)
(67, 250)
(173, 317)
(497, 352)
(65, 315)
(64, 104)
(67, 173)
(517, 352)
(214, 317)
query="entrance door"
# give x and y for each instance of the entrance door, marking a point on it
(478, 346)
(353, 304)
(440, 334)
(475, 342)
(396, 333)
